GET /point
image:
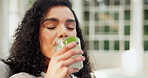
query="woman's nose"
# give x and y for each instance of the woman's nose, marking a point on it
(63, 33)
(63, 36)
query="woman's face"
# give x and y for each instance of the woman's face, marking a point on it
(59, 23)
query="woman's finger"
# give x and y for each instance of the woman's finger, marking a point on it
(73, 70)
(72, 60)
(70, 53)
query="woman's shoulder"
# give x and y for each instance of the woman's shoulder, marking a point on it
(24, 75)
(21, 75)
(5, 70)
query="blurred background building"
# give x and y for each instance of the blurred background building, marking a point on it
(116, 32)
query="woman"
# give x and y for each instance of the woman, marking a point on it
(33, 52)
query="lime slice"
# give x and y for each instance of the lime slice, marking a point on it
(71, 39)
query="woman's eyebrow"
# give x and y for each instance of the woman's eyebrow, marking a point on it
(70, 20)
(50, 19)
(56, 20)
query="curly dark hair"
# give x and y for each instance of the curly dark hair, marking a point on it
(25, 53)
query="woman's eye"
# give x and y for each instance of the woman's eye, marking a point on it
(51, 27)
(70, 28)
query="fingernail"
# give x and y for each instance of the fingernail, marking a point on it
(77, 42)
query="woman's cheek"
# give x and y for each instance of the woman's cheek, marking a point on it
(74, 33)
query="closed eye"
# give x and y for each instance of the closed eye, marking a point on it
(51, 27)
(70, 28)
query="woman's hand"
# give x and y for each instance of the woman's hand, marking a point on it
(59, 63)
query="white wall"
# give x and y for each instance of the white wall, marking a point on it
(111, 60)
(105, 60)
(11, 13)
(16, 13)
(4, 32)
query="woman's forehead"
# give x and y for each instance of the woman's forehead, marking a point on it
(59, 12)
